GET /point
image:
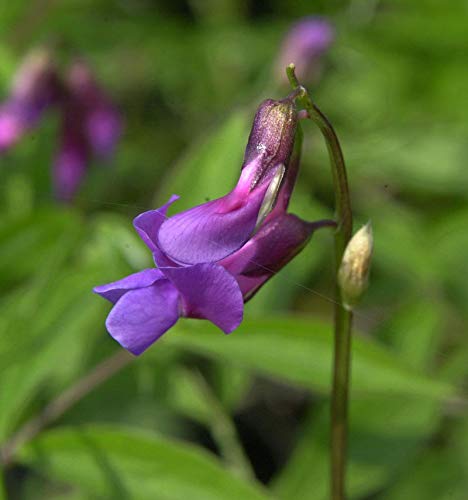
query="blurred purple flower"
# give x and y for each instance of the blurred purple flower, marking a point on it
(102, 124)
(91, 125)
(72, 160)
(36, 87)
(229, 247)
(304, 45)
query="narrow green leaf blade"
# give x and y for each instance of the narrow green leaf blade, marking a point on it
(121, 463)
(299, 350)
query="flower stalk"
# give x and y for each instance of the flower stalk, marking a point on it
(343, 316)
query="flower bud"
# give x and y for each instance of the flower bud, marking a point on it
(304, 45)
(353, 274)
(271, 139)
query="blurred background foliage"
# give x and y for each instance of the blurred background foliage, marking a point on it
(201, 415)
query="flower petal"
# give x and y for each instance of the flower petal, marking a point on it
(148, 223)
(211, 231)
(277, 242)
(114, 291)
(208, 291)
(141, 316)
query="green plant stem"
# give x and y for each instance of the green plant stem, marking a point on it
(64, 401)
(343, 317)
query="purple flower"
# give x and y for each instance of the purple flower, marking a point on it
(304, 45)
(35, 88)
(216, 256)
(73, 157)
(91, 125)
(213, 230)
(148, 303)
(101, 121)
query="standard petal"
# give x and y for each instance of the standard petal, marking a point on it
(114, 291)
(208, 291)
(141, 316)
(148, 223)
(211, 231)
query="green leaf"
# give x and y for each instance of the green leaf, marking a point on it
(424, 320)
(43, 236)
(63, 330)
(186, 397)
(385, 434)
(121, 463)
(440, 472)
(299, 351)
(211, 169)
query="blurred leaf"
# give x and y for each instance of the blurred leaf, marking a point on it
(440, 473)
(121, 463)
(63, 330)
(18, 196)
(114, 242)
(415, 330)
(186, 397)
(67, 315)
(437, 475)
(385, 434)
(33, 242)
(299, 350)
(231, 383)
(211, 168)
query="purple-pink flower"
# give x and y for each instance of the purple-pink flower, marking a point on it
(214, 257)
(304, 45)
(90, 123)
(91, 126)
(35, 88)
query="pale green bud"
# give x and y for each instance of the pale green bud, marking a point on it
(353, 275)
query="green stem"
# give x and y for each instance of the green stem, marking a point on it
(343, 317)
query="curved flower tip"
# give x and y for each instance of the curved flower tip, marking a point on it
(148, 223)
(214, 230)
